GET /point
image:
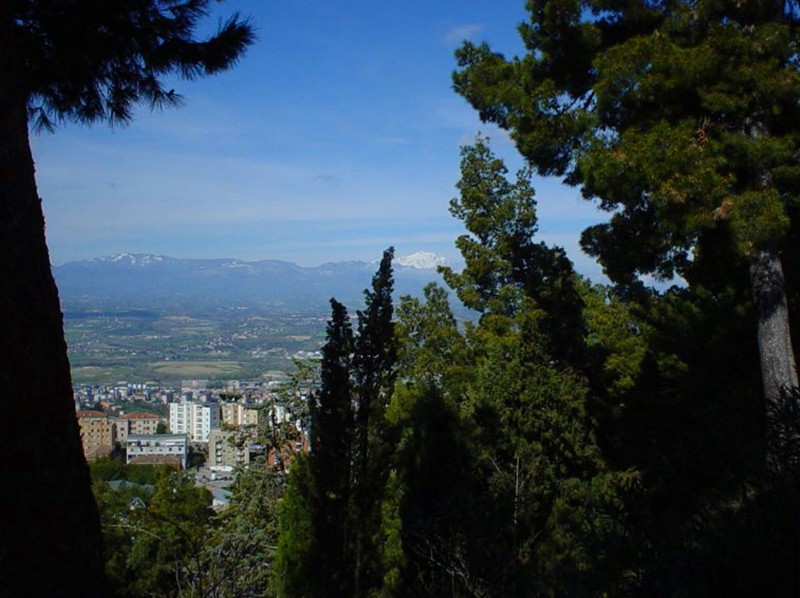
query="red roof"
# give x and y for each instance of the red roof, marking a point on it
(138, 416)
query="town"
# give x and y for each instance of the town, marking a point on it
(213, 429)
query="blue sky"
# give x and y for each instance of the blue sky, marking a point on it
(336, 136)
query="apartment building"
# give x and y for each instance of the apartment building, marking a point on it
(236, 414)
(230, 448)
(137, 424)
(194, 419)
(157, 449)
(97, 433)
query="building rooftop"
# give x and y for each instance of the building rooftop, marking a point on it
(140, 415)
(91, 414)
(157, 437)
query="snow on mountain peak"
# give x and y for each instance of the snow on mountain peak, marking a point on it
(422, 260)
(141, 259)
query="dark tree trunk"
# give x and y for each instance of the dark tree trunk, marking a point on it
(50, 538)
(778, 369)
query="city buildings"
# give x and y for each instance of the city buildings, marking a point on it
(194, 419)
(157, 449)
(97, 434)
(236, 414)
(136, 423)
(230, 447)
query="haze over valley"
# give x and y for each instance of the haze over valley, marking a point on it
(145, 317)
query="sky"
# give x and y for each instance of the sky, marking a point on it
(336, 136)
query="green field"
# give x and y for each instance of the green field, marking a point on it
(108, 347)
(196, 369)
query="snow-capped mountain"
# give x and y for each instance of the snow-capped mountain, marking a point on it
(133, 259)
(421, 260)
(150, 280)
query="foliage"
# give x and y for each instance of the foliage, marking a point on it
(284, 416)
(114, 468)
(87, 61)
(503, 263)
(332, 422)
(681, 120)
(154, 539)
(294, 573)
(430, 498)
(673, 113)
(239, 555)
(498, 484)
(331, 517)
(373, 379)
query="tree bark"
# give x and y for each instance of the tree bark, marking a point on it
(50, 537)
(778, 368)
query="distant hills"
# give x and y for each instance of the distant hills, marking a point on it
(145, 281)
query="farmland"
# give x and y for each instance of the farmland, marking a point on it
(109, 345)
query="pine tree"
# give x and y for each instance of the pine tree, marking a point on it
(82, 61)
(502, 257)
(682, 118)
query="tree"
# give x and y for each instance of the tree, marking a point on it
(330, 458)
(156, 536)
(83, 61)
(681, 118)
(502, 257)
(283, 422)
(551, 504)
(428, 515)
(331, 516)
(374, 375)
(240, 553)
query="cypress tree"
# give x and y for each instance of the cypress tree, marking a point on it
(331, 437)
(374, 372)
(332, 513)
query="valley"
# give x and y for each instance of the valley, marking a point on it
(107, 346)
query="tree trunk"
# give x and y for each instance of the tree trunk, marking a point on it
(778, 369)
(51, 542)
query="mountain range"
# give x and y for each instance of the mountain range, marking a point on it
(133, 280)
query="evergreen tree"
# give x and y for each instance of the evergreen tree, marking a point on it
(681, 117)
(528, 506)
(329, 541)
(295, 557)
(502, 256)
(374, 374)
(83, 61)
(307, 542)
(330, 459)
(430, 503)
(238, 558)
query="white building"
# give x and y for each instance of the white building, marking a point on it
(151, 449)
(194, 419)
